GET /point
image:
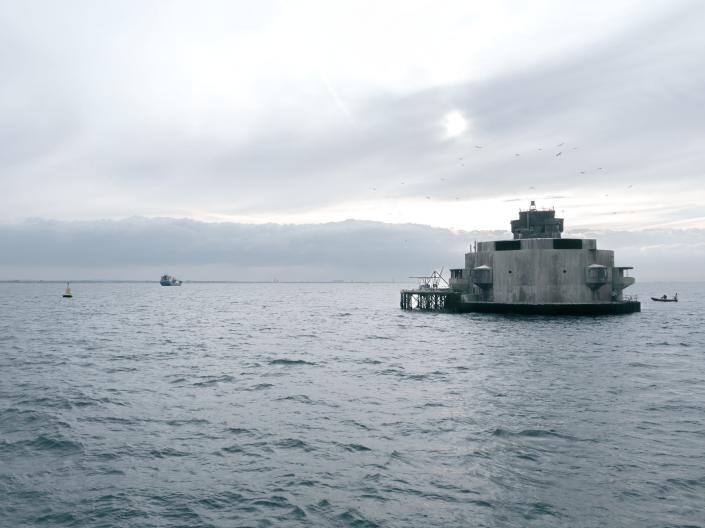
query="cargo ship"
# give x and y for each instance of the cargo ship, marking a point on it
(168, 280)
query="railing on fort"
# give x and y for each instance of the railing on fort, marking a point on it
(430, 300)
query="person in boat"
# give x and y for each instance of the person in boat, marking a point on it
(664, 297)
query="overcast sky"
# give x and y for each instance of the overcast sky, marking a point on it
(448, 114)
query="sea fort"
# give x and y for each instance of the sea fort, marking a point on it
(537, 272)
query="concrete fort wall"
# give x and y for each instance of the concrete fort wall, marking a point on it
(548, 276)
(533, 271)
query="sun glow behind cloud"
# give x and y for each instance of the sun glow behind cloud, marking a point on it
(455, 124)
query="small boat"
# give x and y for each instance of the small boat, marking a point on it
(67, 291)
(168, 280)
(665, 299)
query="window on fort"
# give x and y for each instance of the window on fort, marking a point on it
(567, 243)
(507, 245)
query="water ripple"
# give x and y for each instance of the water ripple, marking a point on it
(221, 405)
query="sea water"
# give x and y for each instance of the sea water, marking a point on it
(325, 405)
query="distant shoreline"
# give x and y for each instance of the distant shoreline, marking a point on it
(115, 281)
(110, 281)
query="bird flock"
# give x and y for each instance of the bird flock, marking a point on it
(558, 151)
(461, 162)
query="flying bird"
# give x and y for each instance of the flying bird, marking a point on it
(478, 146)
(559, 154)
(516, 154)
(560, 144)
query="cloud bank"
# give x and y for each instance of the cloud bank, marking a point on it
(143, 249)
